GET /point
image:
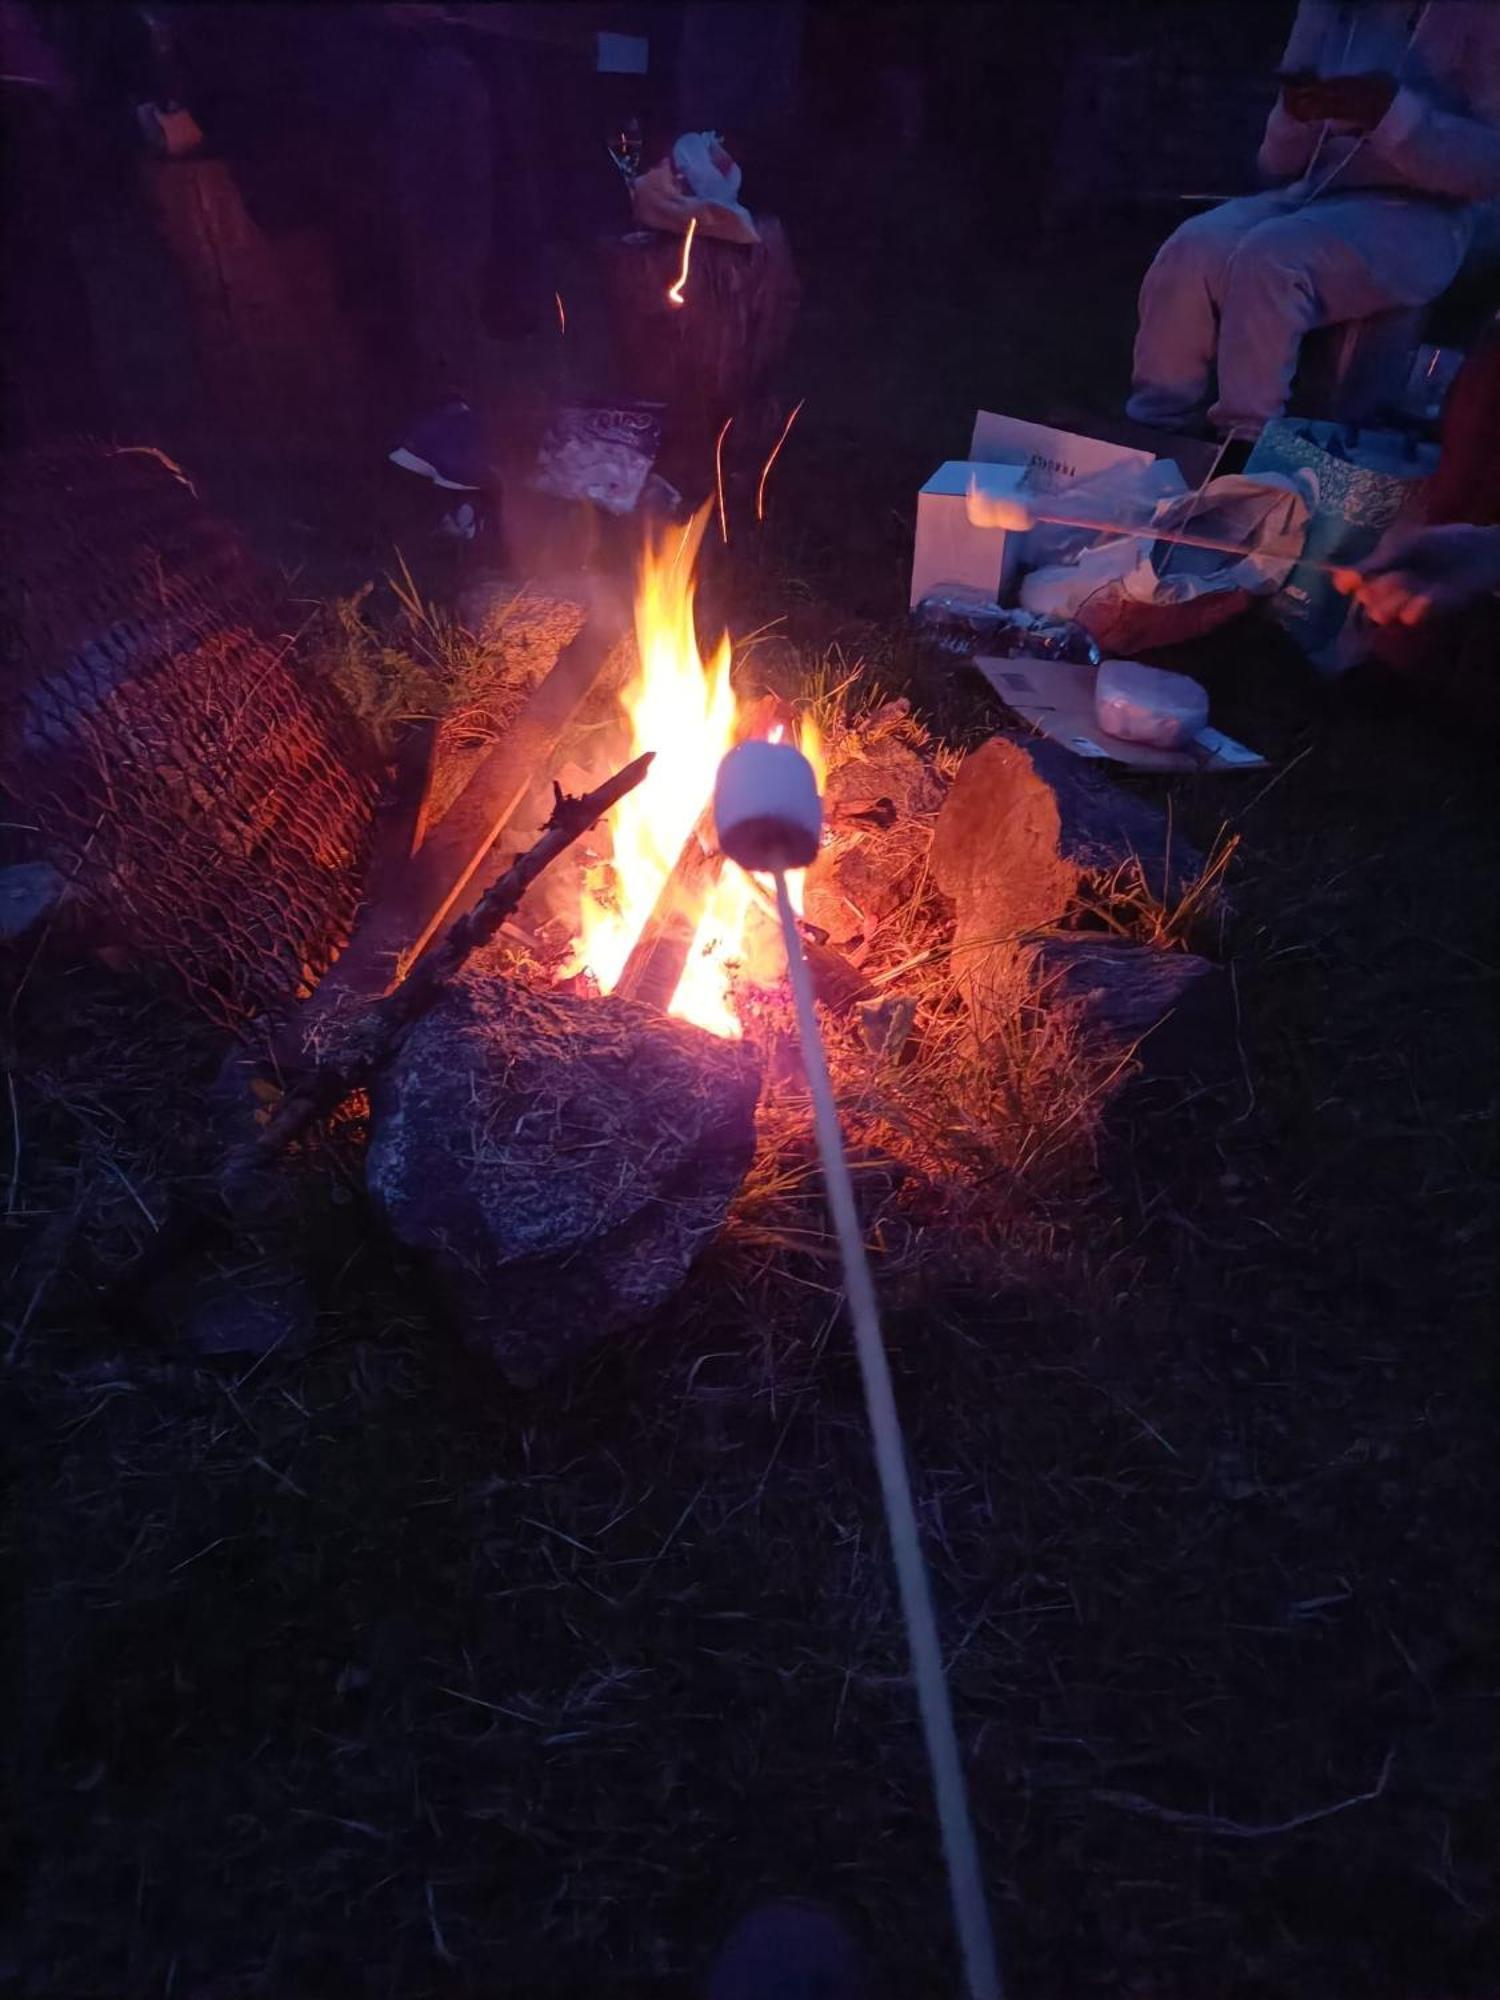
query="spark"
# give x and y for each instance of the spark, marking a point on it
(562, 313)
(674, 292)
(156, 452)
(719, 479)
(760, 491)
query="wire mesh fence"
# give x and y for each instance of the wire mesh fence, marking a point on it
(212, 805)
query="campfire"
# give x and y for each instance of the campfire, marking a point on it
(662, 919)
(579, 1071)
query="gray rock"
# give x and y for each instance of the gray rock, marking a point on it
(1027, 835)
(1173, 1009)
(561, 1160)
(29, 893)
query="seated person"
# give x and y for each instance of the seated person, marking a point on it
(1386, 133)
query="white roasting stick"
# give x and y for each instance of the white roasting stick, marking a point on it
(769, 819)
(1018, 516)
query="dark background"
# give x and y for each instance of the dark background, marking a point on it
(940, 140)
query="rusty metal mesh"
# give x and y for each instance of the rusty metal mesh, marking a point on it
(213, 807)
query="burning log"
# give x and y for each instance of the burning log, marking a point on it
(659, 954)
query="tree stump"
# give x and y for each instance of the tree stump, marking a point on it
(274, 358)
(711, 357)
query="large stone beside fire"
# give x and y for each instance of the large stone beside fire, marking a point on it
(561, 1160)
(1029, 837)
(1028, 832)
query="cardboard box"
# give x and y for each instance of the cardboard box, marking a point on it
(949, 549)
(1054, 457)
(1047, 457)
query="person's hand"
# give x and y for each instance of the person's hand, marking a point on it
(1361, 101)
(1421, 573)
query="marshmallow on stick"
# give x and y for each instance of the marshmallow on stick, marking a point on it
(769, 819)
(766, 807)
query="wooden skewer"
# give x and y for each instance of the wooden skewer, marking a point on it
(1146, 532)
(934, 1702)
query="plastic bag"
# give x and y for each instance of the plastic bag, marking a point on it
(598, 452)
(1134, 593)
(1357, 482)
(963, 622)
(1125, 492)
(1139, 704)
(699, 182)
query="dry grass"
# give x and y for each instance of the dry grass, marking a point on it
(982, 1144)
(975, 1140)
(413, 662)
(96, 1150)
(398, 658)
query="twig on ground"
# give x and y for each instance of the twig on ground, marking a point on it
(439, 1942)
(129, 1187)
(1234, 1829)
(46, 931)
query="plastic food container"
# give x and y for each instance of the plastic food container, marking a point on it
(1139, 704)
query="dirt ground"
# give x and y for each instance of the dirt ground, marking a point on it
(355, 1673)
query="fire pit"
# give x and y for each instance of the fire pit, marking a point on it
(596, 1095)
(567, 1110)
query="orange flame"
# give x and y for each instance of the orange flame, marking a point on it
(683, 709)
(674, 292)
(562, 314)
(760, 491)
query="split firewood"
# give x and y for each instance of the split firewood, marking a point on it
(660, 953)
(399, 926)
